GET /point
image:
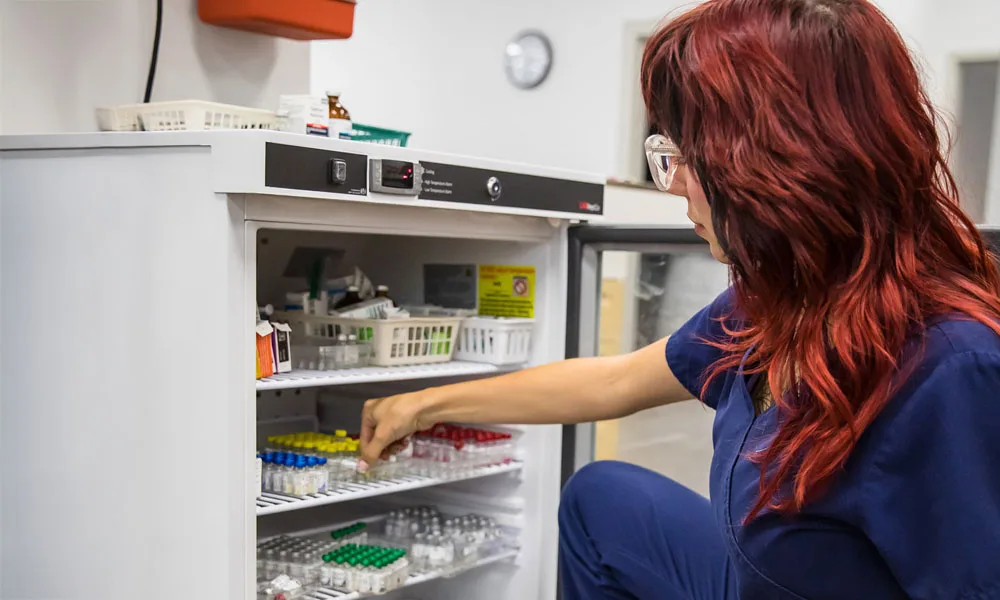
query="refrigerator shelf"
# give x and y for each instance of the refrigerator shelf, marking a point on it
(303, 378)
(506, 554)
(271, 503)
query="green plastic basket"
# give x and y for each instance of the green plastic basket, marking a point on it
(378, 135)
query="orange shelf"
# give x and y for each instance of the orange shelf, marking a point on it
(294, 19)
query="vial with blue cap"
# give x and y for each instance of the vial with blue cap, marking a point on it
(301, 477)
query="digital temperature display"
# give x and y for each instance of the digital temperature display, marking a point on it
(397, 174)
(396, 177)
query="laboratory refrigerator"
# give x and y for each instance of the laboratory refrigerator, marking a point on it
(133, 266)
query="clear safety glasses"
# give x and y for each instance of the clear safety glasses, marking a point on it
(664, 157)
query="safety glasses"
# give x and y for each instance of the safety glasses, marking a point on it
(664, 157)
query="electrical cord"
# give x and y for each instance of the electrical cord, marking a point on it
(154, 56)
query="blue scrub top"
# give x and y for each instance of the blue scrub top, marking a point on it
(916, 511)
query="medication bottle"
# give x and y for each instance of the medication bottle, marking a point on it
(351, 298)
(352, 357)
(340, 352)
(382, 291)
(340, 120)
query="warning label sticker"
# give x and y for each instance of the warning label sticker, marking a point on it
(506, 291)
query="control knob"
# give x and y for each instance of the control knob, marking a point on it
(494, 188)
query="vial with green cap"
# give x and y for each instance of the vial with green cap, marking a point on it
(350, 575)
(378, 576)
(364, 576)
(339, 574)
(402, 568)
(326, 571)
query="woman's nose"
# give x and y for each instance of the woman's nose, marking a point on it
(678, 186)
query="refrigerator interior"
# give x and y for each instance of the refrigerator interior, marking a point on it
(523, 497)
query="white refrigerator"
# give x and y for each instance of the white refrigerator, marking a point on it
(131, 269)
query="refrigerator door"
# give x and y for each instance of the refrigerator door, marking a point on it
(991, 233)
(627, 288)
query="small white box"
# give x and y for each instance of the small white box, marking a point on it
(281, 346)
(375, 308)
(305, 114)
(260, 477)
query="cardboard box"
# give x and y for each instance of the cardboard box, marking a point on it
(265, 352)
(281, 347)
(306, 114)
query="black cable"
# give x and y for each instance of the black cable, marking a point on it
(155, 54)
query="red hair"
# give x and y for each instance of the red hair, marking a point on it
(818, 150)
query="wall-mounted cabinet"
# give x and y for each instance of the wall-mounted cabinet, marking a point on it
(298, 20)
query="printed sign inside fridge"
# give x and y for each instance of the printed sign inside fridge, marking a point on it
(507, 291)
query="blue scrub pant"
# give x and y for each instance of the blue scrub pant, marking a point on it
(629, 533)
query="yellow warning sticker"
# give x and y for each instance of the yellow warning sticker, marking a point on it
(506, 291)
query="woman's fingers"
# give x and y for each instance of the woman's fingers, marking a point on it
(386, 425)
(395, 448)
(372, 443)
(368, 421)
(378, 443)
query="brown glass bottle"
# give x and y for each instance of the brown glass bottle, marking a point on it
(382, 291)
(351, 298)
(340, 119)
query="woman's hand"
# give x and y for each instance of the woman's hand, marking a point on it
(569, 391)
(387, 424)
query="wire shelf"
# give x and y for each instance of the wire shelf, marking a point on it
(507, 554)
(270, 503)
(303, 379)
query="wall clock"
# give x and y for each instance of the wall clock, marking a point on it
(528, 59)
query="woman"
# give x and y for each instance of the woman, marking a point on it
(854, 364)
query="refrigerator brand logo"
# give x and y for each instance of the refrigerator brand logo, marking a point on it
(590, 207)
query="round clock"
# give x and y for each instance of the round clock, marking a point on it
(527, 59)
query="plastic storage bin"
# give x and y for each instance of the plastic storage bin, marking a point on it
(393, 342)
(299, 20)
(184, 115)
(494, 340)
(378, 135)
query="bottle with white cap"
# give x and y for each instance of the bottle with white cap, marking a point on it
(340, 120)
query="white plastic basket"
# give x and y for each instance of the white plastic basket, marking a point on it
(394, 342)
(183, 115)
(495, 341)
(430, 310)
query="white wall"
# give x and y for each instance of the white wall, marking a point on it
(993, 184)
(966, 29)
(434, 67)
(955, 29)
(59, 59)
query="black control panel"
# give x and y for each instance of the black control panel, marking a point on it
(318, 170)
(469, 185)
(315, 170)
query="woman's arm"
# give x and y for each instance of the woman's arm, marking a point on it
(570, 391)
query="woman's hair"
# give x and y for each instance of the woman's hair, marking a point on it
(818, 150)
